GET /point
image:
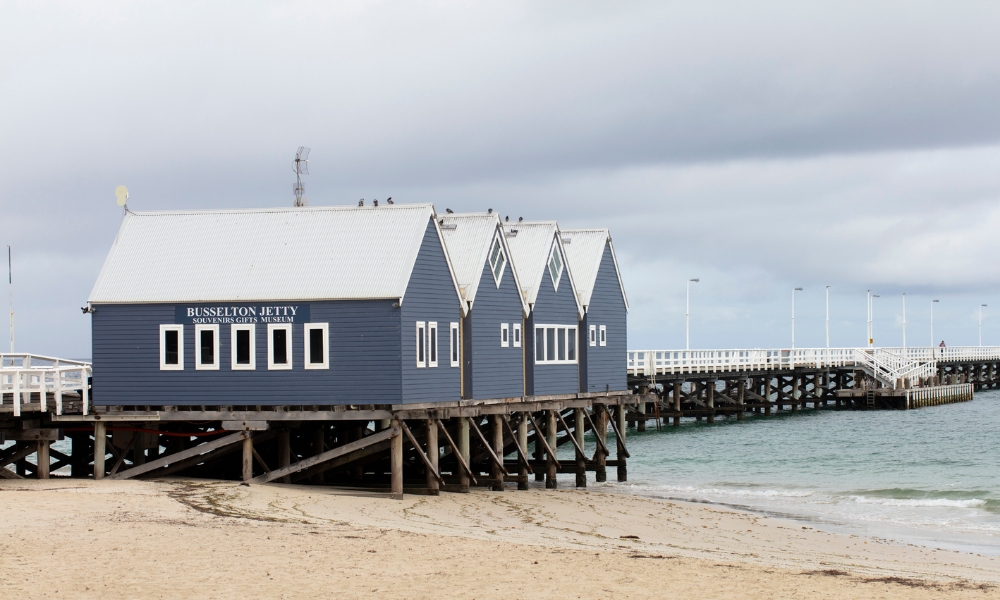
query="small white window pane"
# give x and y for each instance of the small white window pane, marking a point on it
(517, 335)
(454, 341)
(504, 333)
(571, 344)
(550, 343)
(539, 344)
(243, 347)
(279, 346)
(593, 335)
(604, 335)
(316, 341)
(171, 347)
(421, 345)
(206, 347)
(432, 344)
(561, 340)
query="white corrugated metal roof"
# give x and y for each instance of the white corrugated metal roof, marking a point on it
(469, 237)
(314, 253)
(584, 250)
(530, 250)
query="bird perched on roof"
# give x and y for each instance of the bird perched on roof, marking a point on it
(489, 211)
(361, 202)
(448, 210)
(506, 219)
(376, 201)
(388, 200)
(519, 219)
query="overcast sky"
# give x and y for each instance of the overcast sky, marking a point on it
(756, 146)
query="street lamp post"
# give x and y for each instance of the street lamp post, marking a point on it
(687, 316)
(828, 321)
(868, 323)
(798, 289)
(871, 320)
(981, 325)
(932, 322)
(904, 319)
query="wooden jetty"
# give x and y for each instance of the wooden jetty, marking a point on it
(709, 383)
(419, 448)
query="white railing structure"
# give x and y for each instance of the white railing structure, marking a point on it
(888, 365)
(24, 374)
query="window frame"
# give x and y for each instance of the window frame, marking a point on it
(516, 339)
(454, 345)
(562, 265)
(569, 342)
(307, 346)
(252, 328)
(501, 255)
(433, 344)
(198, 365)
(593, 335)
(603, 337)
(180, 347)
(271, 365)
(504, 335)
(421, 345)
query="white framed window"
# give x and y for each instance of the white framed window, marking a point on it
(316, 341)
(504, 335)
(593, 335)
(555, 344)
(497, 259)
(432, 344)
(517, 335)
(555, 266)
(454, 346)
(243, 342)
(421, 344)
(206, 347)
(171, 347)
(604, 335)
(279, 346)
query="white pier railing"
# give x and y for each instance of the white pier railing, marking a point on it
(889, 365)
(24, 374)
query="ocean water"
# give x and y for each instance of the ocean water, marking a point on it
(928, 476)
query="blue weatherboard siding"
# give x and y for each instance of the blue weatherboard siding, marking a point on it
(554, 307)
(430, 296)
(364, 360)
(496, 372)
(606, 364)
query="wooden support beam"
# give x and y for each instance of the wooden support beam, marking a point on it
(416, 445)
(496, 460)
(260, 460)
(171, 459)
(551, 432)
(465, 470)
(522, 448)
(284, 451)
(6, 473)
(396, 461)
(327, 456)
(621, 452)
(16, 453)
(121, 457)
(100, 442)
(601, 455)
(576, 443)
(581, 456)
(601, 445)
(499, 470)
(540, 437)
(522, 455)
(434, 480)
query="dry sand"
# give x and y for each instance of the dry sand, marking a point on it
(182, 539)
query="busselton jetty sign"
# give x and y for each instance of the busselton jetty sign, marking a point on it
(242, 313)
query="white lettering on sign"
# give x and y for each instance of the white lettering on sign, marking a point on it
(259, 313)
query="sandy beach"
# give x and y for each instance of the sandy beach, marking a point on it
(180, 539)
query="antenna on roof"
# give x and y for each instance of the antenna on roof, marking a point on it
(10, 282)
(121, 192)
(301, 168)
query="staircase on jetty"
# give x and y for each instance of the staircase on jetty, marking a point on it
(706, 383)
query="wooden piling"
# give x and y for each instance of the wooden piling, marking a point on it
(247, 459)
(579, 427)
(396, 459)
(462, 433)
(522, 438)
(100, 448)
(600, 458)
(318, 446)
(620, 445)
(740, 391)
(767, 394)
(433, 453)
(284, 452)
(640, 425)
(710, 395)
(43, 459)
(551, 429)
(677, 403)
(495, 471)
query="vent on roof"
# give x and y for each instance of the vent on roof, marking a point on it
(511, 233)
(448, 225)
(567, 240)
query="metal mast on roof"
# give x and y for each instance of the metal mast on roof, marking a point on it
(10, 283)
(301, 168)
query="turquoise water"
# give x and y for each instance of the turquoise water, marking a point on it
(929, 476)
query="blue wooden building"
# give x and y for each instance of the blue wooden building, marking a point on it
(551, 356)
(298, 306)
(492, 330)
(604, 335)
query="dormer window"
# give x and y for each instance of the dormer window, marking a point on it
(497, 260)
(555, 266)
